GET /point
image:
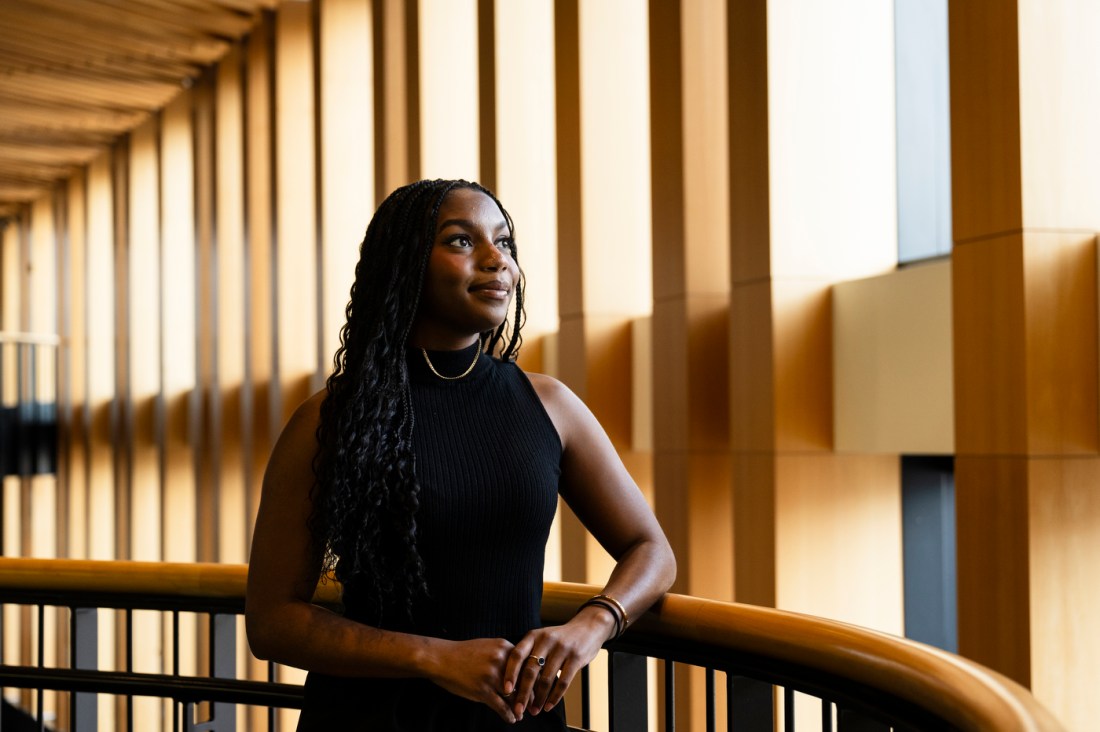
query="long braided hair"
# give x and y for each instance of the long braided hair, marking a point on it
(365, 494)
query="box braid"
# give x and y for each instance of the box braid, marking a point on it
(365, 492)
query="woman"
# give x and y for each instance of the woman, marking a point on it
(425, 478)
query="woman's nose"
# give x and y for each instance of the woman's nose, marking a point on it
(493, 259)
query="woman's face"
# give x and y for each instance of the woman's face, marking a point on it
(471, 275)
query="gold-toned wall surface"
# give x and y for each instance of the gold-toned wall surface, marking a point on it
(706, 207)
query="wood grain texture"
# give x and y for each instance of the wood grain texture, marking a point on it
(986, 171)
(994, 591)
(1060, 337)
(987, 293)
(1063, 542)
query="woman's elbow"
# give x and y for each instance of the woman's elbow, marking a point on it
(259, 629)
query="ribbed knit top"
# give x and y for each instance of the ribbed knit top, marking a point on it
(488, 463)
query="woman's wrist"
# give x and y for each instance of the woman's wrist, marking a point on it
(598, 618)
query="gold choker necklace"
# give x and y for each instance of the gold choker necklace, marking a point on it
(477, 355)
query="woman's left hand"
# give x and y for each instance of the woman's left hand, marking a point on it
(565, 650)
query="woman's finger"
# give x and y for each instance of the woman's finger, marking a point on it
(561, 685)
(514, 664)
(529, 674)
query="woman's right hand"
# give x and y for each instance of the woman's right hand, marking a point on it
(473, 670)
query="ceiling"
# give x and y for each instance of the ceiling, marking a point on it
(77, 74)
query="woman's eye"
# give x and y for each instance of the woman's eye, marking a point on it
(507, 245)
(461, 241)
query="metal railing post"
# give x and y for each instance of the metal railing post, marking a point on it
(84, 634)
(628, 688)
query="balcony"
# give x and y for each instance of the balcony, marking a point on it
(754, 661)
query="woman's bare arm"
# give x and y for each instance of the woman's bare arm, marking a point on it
(284, 626)
(605, 498)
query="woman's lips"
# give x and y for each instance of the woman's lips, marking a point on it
(494, 290)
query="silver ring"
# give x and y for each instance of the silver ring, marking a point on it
(540, 660)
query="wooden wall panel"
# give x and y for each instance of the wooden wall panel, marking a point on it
(259, 314)
(525, 173)
(1064, 511)
(991, 508)
(985, 119)
(1060, 321)
(397, 95)
(231, 333)
(296, 295)
(144, 287)
(1025, 285)
(988, 296)
(448, 88)
(1059, 93)
(893, 370)
(76, 529)
(347, 160)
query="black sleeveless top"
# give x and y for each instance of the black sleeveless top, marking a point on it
(488, 463)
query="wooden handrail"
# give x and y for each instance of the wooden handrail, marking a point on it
(963, 693)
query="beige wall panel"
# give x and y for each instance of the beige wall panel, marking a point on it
(607, 357)
(1060, 340)
(399, 141)
(10, 308)
(144, 285)
(1064, 540)
(259, 256)
(526, 174)
(295, 217)
(710, 572)
(231, 332)
(615, 158)
(77, 527)
(1059, 107)
(991, 509)
(803, 364)
(753, 492)
(449, 142)
(205, 421)
(567, 127)
(747, 31)
(985, 119)
(988, 304)
(706, 149)
(178, 354)
(101, 359)
(642, 397)
(347, 155)
(752, 375)
(838, 538)
(833, 177)
(42, 281)
(671, 410)
(892, 362)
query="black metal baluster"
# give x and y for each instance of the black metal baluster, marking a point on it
(628, 689)
(270, 710)
(223, 665)
(826, 716)
(84, 654)
(129, 621)
(176, 705)
(586, 700)
(751, 703)
(670, 696)
(711, 714)
(40, 704)
(788, 709)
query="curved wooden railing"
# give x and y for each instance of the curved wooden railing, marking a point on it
(902, 683)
